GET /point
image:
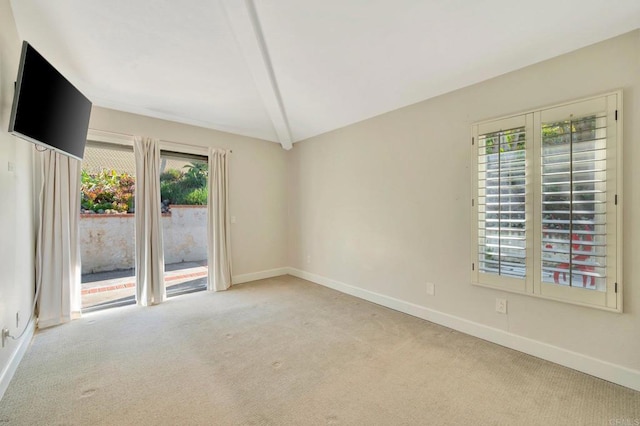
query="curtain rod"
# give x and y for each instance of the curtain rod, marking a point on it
(188, 144)
(161, 140)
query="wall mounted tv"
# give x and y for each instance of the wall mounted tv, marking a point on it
(47, 109)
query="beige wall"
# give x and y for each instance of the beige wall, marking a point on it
(17, 235)
(384, 205)
(257, 193)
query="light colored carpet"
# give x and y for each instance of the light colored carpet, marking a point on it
(286, 351)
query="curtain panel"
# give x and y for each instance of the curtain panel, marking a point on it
(150, 287)
(218, 222)
(58, 265)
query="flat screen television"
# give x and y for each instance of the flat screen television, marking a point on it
(47, 109)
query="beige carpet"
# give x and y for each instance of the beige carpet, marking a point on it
(286, 351)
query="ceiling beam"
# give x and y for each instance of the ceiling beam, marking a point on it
(244, 22)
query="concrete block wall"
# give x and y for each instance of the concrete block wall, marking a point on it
(107, 241)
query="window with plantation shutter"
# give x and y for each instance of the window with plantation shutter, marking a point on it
(573, 209)
(546, 209)
(503, 219)
(502, 224)
(501, 185)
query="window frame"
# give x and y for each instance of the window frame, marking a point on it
(532, 284)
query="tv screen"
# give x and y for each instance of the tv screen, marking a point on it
(47, 109)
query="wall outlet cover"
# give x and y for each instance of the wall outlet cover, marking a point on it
(431, 289)
(501, 306)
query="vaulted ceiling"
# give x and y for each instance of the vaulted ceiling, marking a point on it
(286, 70)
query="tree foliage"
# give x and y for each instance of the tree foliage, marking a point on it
(185, 187)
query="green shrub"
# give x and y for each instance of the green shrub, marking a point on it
(107, 190)
(171, 175)
(196, 175)
(197, 197)
(189, 187)
(172, 191)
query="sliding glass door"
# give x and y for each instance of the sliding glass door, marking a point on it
(107, 226)
(183, 190)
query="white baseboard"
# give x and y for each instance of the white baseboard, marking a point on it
(261, 275)
(16, 357)
(605, 370)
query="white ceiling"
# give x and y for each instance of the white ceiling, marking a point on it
(286, 70)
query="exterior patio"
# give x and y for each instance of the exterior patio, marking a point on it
(103, 290)
(108, 255)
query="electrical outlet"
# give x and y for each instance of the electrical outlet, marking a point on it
(11, 167)
(431, 289)
(308, 259)
(5, 335)
(18, 319)
(501, 306)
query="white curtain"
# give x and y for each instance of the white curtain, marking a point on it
(150, 287)
(218, 223)
(58, 264)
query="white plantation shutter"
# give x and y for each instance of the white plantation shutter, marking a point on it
(501, 188)
(574, 173)
(577, 233)
(502, 222)
(545, 205)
